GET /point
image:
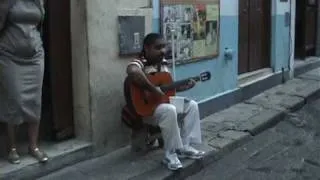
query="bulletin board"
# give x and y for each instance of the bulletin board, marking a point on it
(196, 24)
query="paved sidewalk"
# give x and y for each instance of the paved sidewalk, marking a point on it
(222, 132)
(287, 151)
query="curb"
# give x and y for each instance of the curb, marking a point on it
(223, 133)
(213, 156)
(35, 170)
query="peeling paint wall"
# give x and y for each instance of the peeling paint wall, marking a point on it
(107, 71)
(80, 70)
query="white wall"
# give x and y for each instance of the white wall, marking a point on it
(107, 71)
(292, 32)
(80, 70)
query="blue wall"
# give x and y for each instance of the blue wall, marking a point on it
(224, 72)
(280, 49)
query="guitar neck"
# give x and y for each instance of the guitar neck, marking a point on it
(177, 84)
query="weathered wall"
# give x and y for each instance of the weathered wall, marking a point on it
(292, 34)
(99, 72)
(80, 70)
(106, 71)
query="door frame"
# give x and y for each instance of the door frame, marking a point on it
(57, 94)
(300, 29)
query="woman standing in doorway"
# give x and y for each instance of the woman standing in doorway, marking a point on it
(21, 71)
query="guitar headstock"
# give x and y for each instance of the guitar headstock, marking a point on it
(205, 76)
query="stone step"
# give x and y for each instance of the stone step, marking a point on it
(60, 155)
(303, 66)
(121, 164)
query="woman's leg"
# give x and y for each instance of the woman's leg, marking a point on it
(13, 156)
(11, 136)
(33, 131)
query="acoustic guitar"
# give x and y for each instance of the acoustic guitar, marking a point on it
(144, 102)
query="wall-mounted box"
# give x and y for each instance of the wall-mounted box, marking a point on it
(134, 24)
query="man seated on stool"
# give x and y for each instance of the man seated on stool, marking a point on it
(176, 143)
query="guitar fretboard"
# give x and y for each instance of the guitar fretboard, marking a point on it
(177, 84)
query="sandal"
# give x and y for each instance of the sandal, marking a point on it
(39, 155)
(13, 156)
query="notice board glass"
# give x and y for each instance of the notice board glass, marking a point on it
(196, 24)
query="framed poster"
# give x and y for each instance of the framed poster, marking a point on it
(196, 25)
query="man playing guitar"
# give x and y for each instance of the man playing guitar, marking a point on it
(177, 143)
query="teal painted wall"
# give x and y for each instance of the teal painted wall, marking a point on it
(224, 72)
(280, 40)
(280, 44)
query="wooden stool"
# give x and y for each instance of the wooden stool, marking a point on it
(145, 139)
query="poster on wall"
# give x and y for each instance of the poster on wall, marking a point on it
(196, 29)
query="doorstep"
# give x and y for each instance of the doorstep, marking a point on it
(302, 66)
(252, 77)
(60, 155)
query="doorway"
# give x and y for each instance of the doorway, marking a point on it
(57, 102)
(254, 35)
(306, 24)
(57, 114)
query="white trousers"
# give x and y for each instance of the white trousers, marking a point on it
(177, 132)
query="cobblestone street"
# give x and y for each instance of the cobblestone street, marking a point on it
(289, 151)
